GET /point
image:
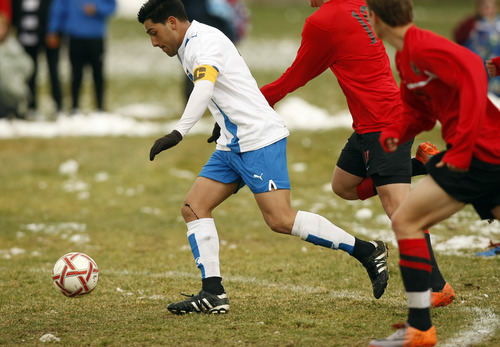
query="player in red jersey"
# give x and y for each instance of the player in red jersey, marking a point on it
(338, 37)
(440, 81)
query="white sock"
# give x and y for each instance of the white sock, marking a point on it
(419, 299)
(320, 231)
(204, 242)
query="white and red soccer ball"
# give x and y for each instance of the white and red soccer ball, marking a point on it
(75, 274)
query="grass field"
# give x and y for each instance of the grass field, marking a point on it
(124, 211)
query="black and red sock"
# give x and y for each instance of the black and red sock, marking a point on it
(415, 266)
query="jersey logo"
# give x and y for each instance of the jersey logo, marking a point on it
(259, 177)
(421, 84)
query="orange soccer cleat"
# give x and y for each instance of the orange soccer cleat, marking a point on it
(444, 297)
(407, 336)
(426, 151)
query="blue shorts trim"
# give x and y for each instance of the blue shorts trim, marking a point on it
(262, 170)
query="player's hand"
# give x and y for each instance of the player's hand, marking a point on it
(164, 143)
(391, 144)
(492, 68)
(215, 133)
(450, 167)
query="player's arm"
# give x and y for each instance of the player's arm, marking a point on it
(464, 71)
(413, 119)
(313, 57)
(204, 77)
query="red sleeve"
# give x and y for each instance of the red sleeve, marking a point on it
(414, 118)
(463, 71)
(313, 57)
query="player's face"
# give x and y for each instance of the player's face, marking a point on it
(163, 36)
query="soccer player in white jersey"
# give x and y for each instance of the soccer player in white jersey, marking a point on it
(251, 150)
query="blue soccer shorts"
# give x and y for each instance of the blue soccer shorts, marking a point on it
(262, 170)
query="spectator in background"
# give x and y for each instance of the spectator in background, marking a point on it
(30, 20)
(15, 67)
(481, 34)
(85, 23)
(229, 16)
(5, 18)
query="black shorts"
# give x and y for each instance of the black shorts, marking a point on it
(363, 156)
(479, 186)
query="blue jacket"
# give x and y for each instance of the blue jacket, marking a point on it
(68, 17)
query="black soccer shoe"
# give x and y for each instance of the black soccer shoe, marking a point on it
(376, 266)
(202, 302)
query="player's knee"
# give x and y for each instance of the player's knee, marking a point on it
(188, 213)
(344, 193)
(337, 189)
(398, 223)
(279, 224)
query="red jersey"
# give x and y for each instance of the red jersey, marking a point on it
(442, 81)
(338, 36)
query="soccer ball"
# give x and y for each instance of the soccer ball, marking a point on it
(75, 274)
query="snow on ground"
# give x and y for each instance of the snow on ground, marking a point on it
(130, 121)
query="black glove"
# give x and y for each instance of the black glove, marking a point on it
(215, 133)
(164, 143)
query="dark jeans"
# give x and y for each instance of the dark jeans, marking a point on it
(81, 53)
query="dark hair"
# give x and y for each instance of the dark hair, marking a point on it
(393, 12)
(159, 11)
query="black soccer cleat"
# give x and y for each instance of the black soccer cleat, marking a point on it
(202, 302)
(376, 266)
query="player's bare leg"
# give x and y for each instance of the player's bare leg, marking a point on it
(345, 184)
(426, 205)
(392, 195)
(204, 196)
(281, 217)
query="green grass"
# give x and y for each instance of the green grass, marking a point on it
(283, 292)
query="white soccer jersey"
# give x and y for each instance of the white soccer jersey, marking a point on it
(247, 121)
